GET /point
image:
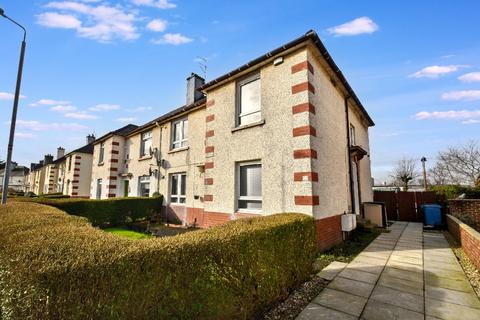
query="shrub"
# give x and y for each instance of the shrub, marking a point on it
(108, 212)
(56, 266)
(453, 191)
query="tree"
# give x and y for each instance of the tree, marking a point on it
(458, 165)
(405, 171)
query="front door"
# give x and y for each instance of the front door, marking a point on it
(125, 188)
(356, 194)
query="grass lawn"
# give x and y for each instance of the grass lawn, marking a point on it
(128, 233)
(350, 248)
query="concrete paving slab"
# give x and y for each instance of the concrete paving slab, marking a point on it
(359, 275)
(316, 312)
(365, 267)
(453, 296)
(376, 310)
(341, 301)
(411, 260)
(401, 284)
(410, 275)
(453, 284)
(398, 298)
(332, 270)
(404, 266)
(377, 261)
(357, 288)
(446, 310)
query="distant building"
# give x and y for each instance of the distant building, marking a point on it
(18, 177)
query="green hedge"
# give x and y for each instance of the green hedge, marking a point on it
(56, 266)
(453, 191)
(108, 212)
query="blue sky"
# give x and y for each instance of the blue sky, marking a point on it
(93, 66)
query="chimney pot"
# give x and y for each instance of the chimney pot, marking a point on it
(48, 159)
(193, 83)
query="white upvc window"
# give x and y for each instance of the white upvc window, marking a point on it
(98, 194)
(144, 186)
(101, 153)
(146, 143)
(178, 187)
(352, 135)
(249, 186)
(179, 133)
(248, 101)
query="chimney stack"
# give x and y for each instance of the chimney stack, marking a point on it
(193, 83)
(48, 159)
(60, 152)
(41, 163)
(32, 166)
(90, 138)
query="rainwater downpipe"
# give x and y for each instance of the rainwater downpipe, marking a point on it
(350, 178)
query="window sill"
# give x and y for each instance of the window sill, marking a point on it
(178, 149)
(243, 211)
(100, 164)
(144, 158)
(250, 125)
(177, 204)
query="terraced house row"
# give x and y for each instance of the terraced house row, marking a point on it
(283, 133)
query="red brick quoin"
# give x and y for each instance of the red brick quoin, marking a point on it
(304, 86)
(302, 66)
(304, 153)
(304, 131)
(303, 107)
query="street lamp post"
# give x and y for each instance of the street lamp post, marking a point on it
(8, 164)
(424, 173)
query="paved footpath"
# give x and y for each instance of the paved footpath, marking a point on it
(404, 274)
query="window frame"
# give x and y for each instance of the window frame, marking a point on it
(254, 76)
(140, 186)
(238, 197)
(143, 151)
(179, 195)
(184, 140)
(98, 191)
(352, 135)
(101, 153)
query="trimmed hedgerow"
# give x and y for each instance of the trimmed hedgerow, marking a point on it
(108, 212)
(56, 266)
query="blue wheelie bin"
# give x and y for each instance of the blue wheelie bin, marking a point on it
(432, 214)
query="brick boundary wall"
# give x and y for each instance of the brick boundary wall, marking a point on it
(467, 237)
(466, 207)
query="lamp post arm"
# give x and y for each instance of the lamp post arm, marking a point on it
(18, 24)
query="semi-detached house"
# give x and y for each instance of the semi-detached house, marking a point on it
(283, 133)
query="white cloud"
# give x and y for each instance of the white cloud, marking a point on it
(104, 107)
(81, 115)
(468, 95)
(436, 71)
(160, 4)
(48, 102)
(157, 25)
(56, 20)
(100, 22)
(63, 108)
(25, 135)
(139, 109)
(448, 115)
(355, 27)
(39, 126)
(471, 121)
(126, 119)
(173, 38)
(9, 96)
(470, 77)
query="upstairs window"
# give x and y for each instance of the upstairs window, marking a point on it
(249, 177)
(352, 135)
(178, 186)
(248, 100)
(146, 144)
(101, 153)
(69, 163)
(179, 134)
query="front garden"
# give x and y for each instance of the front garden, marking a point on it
(55, 265)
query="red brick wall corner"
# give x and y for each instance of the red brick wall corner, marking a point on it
(329, 232)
